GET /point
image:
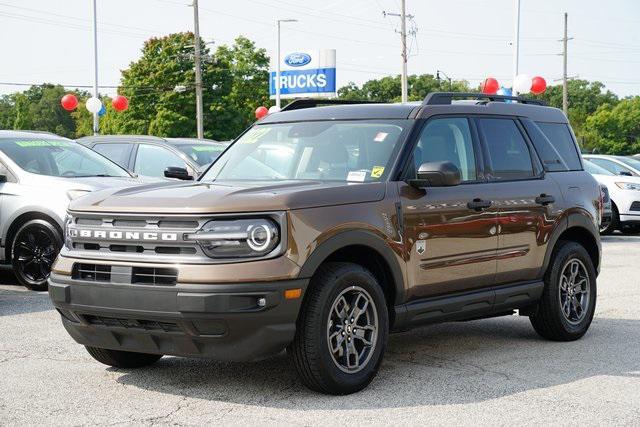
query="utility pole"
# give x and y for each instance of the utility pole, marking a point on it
(565, 88)
(403, 35)
(196, 42)
(95, 64)
(516, 45)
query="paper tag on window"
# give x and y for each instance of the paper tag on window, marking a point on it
(357, 176)
(380, 136)
(377, 171)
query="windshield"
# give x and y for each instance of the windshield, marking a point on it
(630, 162)
(594, 169)
(202, 154)
(58, 157)
(353, 151)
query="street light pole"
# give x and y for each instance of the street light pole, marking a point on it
(403, 36)
(196, 42)
(516, 45)
(95, 64)
(278, 58)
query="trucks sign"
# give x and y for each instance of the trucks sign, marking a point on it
(306, 74)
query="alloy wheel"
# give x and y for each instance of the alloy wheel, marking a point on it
(574, 291)
(34, 251)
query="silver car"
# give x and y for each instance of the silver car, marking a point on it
(39, 174)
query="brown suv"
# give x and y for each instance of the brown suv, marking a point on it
(323, 228)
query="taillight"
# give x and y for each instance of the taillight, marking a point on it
(601, 205)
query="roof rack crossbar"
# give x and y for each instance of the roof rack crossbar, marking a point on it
(445, 98)
(300, 104)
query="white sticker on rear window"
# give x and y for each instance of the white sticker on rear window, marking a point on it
(357, 176)
(381, 136)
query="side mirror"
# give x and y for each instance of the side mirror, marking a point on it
(3, 178)
(178, 173)
(625, 173)
(437, 174)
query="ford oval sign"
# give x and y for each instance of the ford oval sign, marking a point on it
(297, 59)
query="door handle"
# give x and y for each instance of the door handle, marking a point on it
(545, 199)
(479, 204)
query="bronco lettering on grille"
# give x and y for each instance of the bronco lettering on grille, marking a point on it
(123, 235)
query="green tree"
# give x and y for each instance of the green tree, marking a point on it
(7, 111)
(614, 130)
(388, 89)
(38, 108)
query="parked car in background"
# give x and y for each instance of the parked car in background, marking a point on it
(607, 210)
(618, 165)
(39, 174)
(625, 198)
(151, 156)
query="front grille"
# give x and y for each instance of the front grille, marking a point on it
(125, 238)
(635, 206)
(91, 272)
(125, 275)
(139, 324)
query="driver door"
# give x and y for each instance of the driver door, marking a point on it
(451, 246)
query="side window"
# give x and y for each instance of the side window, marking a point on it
(447, 139)
(561, 139)
(152, 160)
(509, 156)
(612, 167)
(117, 153)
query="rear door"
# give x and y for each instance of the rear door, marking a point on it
(524, 196)
(450, 244)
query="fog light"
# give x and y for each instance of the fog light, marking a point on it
(262, 302)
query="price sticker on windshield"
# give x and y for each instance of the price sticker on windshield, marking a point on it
(41, 143)
(377, 171)
(254, 135)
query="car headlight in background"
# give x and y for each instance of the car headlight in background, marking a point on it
(74, 194)
(238, 238)
(628, 186)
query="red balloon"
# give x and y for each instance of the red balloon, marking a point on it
(261, 112)
(489, 86)
(120, 103)
(538, 85)
(69, 102)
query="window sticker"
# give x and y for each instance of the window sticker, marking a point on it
(41, 143)
(206, 148)
(381, 136)
(377, 171)
(254, 134)
(357, 176)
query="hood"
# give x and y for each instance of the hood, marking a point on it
(203, 198)
(610, 180)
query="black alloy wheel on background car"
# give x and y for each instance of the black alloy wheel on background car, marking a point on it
(35, 247)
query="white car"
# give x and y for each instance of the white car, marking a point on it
(618, 165)
(625, 197)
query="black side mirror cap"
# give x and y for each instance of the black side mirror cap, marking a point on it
(625, 173)
(437, 174)
(178, 173)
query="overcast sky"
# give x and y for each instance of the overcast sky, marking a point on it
(50, 40)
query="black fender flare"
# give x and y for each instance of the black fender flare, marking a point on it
(576, 219)
(360, 238)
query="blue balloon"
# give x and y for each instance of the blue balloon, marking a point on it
(102, 111)
(505, 91)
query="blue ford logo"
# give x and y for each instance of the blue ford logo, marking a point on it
(297, 59)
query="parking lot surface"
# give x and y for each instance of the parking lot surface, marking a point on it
(495, 371)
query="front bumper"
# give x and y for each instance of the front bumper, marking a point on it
(220, 321)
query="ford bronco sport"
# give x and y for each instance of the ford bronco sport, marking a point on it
(323, 228)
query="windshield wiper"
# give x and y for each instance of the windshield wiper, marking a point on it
(100, 175)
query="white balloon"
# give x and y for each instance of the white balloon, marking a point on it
(522, 83)
(274, 109)
(93, 105)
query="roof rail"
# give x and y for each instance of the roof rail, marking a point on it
(445, 98)
(300, 104)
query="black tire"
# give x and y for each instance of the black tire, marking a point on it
(123, 359)
(630, 229)
(310, 351)
(613, 224)
(33, 250)
(548, 320)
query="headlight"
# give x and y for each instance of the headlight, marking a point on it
(628, 186)
(74, 194)
(240, 238)
(68, 220)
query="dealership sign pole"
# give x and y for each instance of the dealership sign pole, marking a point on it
(95, 65)
(278, 59)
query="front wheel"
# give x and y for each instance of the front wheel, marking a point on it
(568, 301)
(342, 330)
(34, 249)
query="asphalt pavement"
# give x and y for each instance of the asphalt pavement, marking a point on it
(485, 372)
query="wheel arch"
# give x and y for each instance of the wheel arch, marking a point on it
(364, 248)
(22, 219)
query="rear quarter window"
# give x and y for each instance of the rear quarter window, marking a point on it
(559, 152)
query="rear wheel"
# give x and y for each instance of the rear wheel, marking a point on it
(35, 247)
(123, 359)
(568, 302)
(613, 224)
(342, 330)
